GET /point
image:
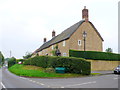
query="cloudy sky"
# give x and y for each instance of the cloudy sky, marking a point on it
(24, 23)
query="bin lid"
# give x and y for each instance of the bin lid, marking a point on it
(60, 68)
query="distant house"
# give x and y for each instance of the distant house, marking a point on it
(72, 38)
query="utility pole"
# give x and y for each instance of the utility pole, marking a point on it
(10, 53)
(84, 38)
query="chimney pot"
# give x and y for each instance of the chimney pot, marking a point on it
(85, 14)
(84, 7)
(53, 33)
(45, 40)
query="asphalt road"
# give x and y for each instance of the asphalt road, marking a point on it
(10, 80)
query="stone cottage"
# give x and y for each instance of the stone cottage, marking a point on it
(81, 36)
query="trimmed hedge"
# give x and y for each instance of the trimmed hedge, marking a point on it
(18, 60)
(73, 65)
(11, 62)
(95, 55)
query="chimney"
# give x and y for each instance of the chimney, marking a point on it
(53, 33)
(85, 14)
(45, 40)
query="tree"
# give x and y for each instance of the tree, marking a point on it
(27, 55)
(109, 50)
(1, 58)
(11, 61)
(56, 51)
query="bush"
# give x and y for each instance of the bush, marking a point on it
(20, 60)
(1, 59)
(49, 70)
(95, 55)
(11, 62)
(26, 62)
(73, 65)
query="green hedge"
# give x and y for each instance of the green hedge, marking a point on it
(94, 55)
(11, 62)
(18, 60)
(1, 59)
(73, 65)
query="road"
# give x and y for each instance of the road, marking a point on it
(10, 80)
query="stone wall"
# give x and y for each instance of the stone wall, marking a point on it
(93, 41)
(99, 65)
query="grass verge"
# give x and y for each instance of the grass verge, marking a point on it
(95, 73)
(33, 71)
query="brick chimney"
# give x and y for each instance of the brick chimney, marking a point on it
(85, 14)
(45, 40)
(53, 33)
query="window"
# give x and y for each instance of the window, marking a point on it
(64, 54)
(63, 43)
(79, 42)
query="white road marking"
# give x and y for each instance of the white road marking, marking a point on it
(115, 78)
(23, 78)
(42, 84)
(30, 80)
(33, 81)
(62, 87)
(3, 86)
(48, 86)
(80, 84)
(116, 75)
(37, 82)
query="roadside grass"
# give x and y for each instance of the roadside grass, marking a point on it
(95, 73)
(34, 71)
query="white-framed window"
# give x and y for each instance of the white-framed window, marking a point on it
(64, 54)
(64, 43)
(52, 47)
(79, 42)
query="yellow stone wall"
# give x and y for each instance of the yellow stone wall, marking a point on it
(63, 49)
(93, 41)
(99, 65)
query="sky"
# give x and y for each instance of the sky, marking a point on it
(24, 23)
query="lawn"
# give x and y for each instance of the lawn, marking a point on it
(34, 71)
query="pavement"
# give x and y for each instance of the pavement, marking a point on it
(103, 72)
